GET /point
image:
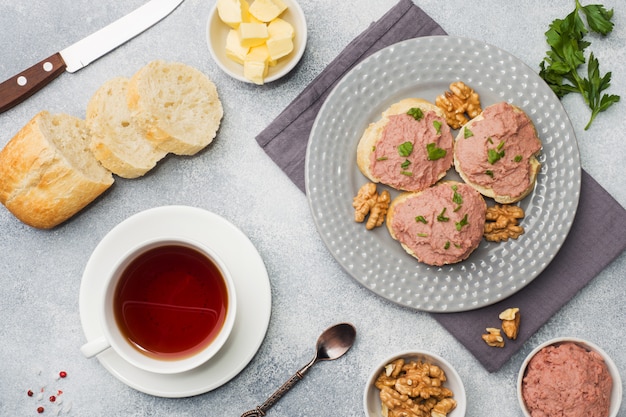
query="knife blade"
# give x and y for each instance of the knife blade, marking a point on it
(80, 54)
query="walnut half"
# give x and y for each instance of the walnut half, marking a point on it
(368, 201)
(502, 223)
(510, 322)
(493, 337)
(460, 104)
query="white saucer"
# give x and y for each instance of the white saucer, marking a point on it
(252, 285)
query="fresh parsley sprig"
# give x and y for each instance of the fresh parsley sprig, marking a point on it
(559, 67)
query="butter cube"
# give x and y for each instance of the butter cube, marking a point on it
(279, 47)
(255, 71)
(256, 64)
(233, 12)
(279, 28)
(267, 10)
(234, 50)
(280, 42)
(252, 34)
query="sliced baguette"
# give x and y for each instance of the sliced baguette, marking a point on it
(48, 173)
(117, 142)
(374, 133)
(176, 105)
(532, 164)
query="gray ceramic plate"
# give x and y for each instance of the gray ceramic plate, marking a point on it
(425, 67)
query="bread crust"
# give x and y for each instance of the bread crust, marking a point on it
(374, 132)
(533, 165)
(40, 185)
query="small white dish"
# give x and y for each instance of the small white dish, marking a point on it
(616, 392)
(251, 284)
(216, 32)
(371, 397)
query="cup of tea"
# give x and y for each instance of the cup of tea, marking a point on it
(169, 305)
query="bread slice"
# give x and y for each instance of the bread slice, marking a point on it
(427, 172)
(439, 226)
(513, 176)
(47, 171)
(117, 142)
(176, 105)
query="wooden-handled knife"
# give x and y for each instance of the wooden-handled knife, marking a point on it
(23, 85)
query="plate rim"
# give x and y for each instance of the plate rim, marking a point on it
(358, 68)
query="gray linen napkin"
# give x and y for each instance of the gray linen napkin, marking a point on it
(589, 247)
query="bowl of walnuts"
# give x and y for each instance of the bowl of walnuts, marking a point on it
(416, 382)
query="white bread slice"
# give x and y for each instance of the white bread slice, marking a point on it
(374, 132)
(533, 165)
(117, 142)
(48, 172)
(176, 105)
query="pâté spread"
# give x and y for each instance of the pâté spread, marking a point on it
(414, 151)
(495, 152)
(442, 224)
(567, 380)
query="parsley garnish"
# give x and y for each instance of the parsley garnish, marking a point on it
(447, 245)
(462, 223)
(442, 216)
(437, 125)
(489, 172)
(405, 164)
(416, 113)
(494, 156)
(421, 219)
(422, 234)
(457, 198)
(559, 67)
(405, 149)
(467, 133)
(518, 158)
(434, 152)
(382, 158)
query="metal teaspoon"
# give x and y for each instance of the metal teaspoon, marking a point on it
(332, 344)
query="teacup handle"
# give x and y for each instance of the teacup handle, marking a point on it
(91, 349)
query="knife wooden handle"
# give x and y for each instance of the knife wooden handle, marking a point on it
(23, 85)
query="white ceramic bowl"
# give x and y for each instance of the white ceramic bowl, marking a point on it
(216, 38)
(371, 396)
(616, 393)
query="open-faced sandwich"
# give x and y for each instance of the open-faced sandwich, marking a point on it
(496, 153)
(410, 148)
(440, 225)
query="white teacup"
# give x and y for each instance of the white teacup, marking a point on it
(168, 306)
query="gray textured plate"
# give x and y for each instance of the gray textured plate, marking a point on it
(425, 67)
